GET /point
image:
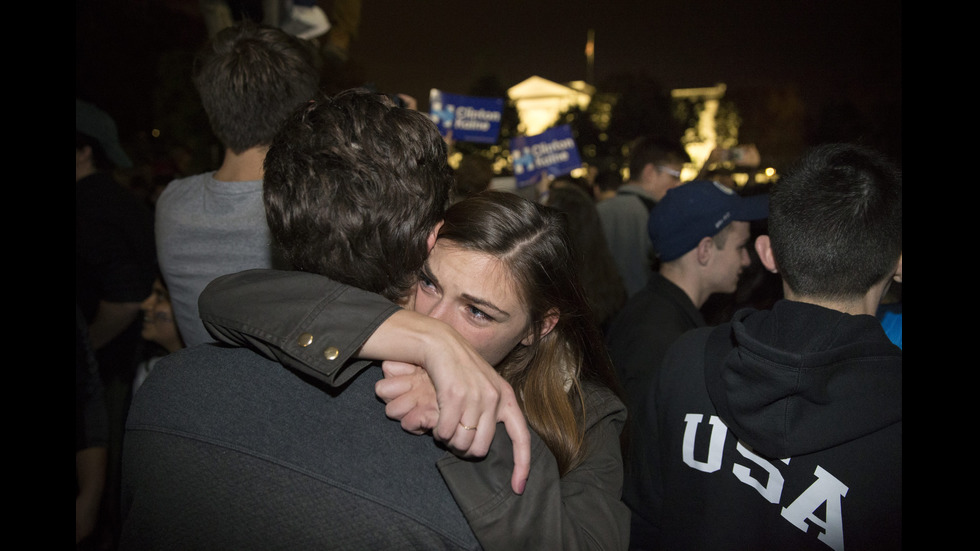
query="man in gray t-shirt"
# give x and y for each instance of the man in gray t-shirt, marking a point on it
(206, 228)
(250, 78)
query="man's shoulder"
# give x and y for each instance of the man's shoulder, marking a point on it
(235, 395)
(180, 187)
(627, 196)
(189, 374)
(175, 198)
(652, 305)
(625, 205)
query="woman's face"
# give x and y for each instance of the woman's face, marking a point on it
(158, 316)
(475, 294)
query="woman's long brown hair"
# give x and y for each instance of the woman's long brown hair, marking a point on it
(547, 375)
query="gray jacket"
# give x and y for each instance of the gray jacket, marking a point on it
(315, 325)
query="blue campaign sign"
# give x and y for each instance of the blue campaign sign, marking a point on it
(552, 151)
(470, 118)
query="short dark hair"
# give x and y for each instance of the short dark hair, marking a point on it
(608, 180)
(475, 173)
(656, 151)
(353, 187)
(835, 221)
(250, 78)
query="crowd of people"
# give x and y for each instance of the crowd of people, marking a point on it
(336, 340)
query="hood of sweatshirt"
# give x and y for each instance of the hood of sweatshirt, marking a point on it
(802, 378)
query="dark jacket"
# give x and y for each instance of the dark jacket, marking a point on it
(315, 326)
(638, 339)
(225, 449)
(779, 430)
(644, 329)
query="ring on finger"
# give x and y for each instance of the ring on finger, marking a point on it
(466, 427)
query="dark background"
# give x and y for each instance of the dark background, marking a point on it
(798, 72)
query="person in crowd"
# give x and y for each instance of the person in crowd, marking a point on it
(782, 429)
(890, 313)
(228, 449)
(601, 281)
(700, 235)
(701, 241)
(606, 184)
(331, 26)
(159, 330)
(250, 77)
(91, 438)
(655, 166)
(502, 274)
(722, 163)
(114, 250)
(115, 263)
(474, 175)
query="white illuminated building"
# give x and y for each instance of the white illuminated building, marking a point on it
(539, 101)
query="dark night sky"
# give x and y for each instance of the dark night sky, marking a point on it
(825, 48)
(830, 46)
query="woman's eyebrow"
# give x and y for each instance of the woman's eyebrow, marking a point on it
(486, 304)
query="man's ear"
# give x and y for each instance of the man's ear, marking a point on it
(898, 270)
(550, 320)
(648, 172)
(704, 250)
(431, 240)
(764, 249)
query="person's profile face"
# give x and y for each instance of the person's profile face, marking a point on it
(158, 315)
(732, 258)
(474, 293)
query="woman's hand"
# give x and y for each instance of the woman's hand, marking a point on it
(410, 396)
(470, 396)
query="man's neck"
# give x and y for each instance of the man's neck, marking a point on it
(867, 304)
(675, 273)
(242, 167)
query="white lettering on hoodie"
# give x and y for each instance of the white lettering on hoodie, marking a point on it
(826, 489)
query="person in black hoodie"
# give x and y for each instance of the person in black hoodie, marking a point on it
(782, 429)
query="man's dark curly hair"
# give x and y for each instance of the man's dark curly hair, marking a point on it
(353, 187)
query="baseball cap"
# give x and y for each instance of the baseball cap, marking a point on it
(695, 210)
(94, 122)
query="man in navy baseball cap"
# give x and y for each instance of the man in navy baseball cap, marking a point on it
(700, 231)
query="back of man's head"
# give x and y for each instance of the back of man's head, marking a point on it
(608, 180)
(353, 187)
(475, 173)
(835, 222)
(657, 151)
(250, 78)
